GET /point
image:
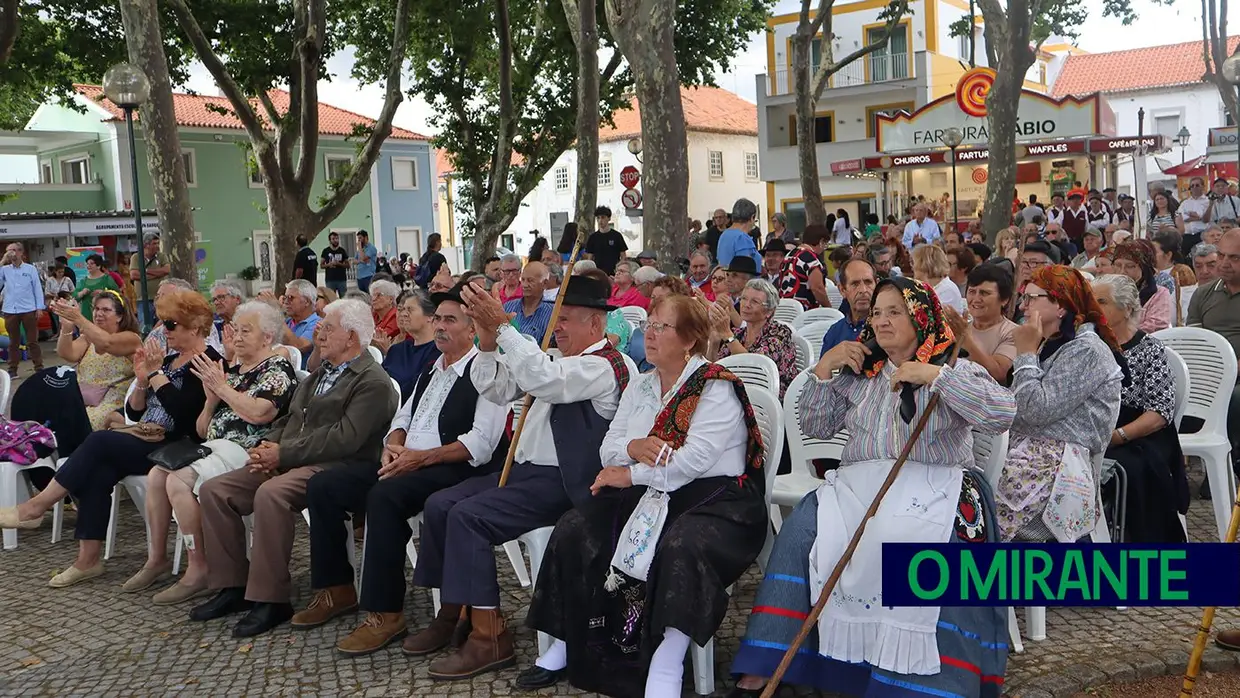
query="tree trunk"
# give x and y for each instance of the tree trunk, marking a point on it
(8, 28)
(645, 31)
(1001, 107)
(287, 218)
(159, 126)
(586, 38)
(807, 146)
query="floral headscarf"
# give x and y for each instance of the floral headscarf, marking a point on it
(1141, 253)
(1068, 288)
(934, 338)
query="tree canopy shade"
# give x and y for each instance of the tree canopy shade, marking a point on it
(502, 130)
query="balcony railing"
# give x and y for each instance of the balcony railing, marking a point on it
(868, 70)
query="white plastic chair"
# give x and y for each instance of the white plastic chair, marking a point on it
(770, 419)
(135, 485)
(635, 314)
(813, 332)
(833, 293)
(754, 370)
(989, 454)
(375, 353)
(791, 488)
(294, 354)
(301, 375)
(805, 353)
(15, 488)
(1212, 377)
(1183, 383)
(789, 310)
(820, 315)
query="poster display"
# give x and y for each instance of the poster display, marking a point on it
(77, 258)
(202, 263)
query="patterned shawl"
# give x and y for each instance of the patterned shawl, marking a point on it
(1068, 288)
(934, 338)
(672, 424)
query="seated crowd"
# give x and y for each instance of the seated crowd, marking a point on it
(399, 418)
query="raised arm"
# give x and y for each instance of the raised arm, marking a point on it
(969, 391)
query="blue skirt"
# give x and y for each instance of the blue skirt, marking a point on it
(973, 641)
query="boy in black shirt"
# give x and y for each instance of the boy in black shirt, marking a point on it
(306, 264)
(335, 265)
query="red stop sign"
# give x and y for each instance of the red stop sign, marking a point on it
(629, 177)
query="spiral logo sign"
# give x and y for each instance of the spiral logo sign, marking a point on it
(972, 89)
(979, 176)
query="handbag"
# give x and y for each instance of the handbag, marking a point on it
(150, 433)
(178, 454)
(639, 539)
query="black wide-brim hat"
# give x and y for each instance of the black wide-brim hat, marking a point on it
(453, 295)
(584, 292)
(743, 264)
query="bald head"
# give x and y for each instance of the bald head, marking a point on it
(534, 280)
(1229, 257)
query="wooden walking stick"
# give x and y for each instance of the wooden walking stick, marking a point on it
(1207, 617)
(773, 683)
(546, 342)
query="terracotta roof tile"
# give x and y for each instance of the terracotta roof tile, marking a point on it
(192, 111)
(1134, 69)
(707, 110)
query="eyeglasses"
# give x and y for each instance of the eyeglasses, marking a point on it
(170, 325)
(321, 297)
(656, 327)
(1027, 297)
(510, 271)
(219, 299)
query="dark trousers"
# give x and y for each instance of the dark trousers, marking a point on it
(90, 474)
(340, 287)
(14, 325)
(470, 519)
(363, 283)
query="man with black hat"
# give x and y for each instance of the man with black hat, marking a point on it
(1075, 218)
(443, 435)
(773, 255)
(728, 296)
(1096, 213)
(646, 258)
(557, 459)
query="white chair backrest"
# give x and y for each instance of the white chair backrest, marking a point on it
(1212, 373)
(833, 293)
(1183, 383)
(294, 355)
(754, 370)
(770, 416)
(635, 314)
(805, 353)
(989, 453)
(375, 353)
(788, 310)
(133, 385)
(813, 332)
(396, 387)
(801, 448)
(6, 386)
(301, 375)
(819, 315)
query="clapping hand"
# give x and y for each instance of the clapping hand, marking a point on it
(612, 476)
(487, 313)
(381, 341)
(959, 324)
(211, 374)
(67, 311)
(720, 322)
(149, 358)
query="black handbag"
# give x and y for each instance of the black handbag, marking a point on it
(178, 454)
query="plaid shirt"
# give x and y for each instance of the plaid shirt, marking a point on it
(331, 374)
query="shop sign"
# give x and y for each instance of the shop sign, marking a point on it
(32, 228)
(1151, 144)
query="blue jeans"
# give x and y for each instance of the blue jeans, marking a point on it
(146, 312)
(363, 284)
(340, 287)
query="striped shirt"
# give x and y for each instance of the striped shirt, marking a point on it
(534, 325)
(968, 399)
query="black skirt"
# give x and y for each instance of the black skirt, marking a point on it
(1157, 484)
(714, 531)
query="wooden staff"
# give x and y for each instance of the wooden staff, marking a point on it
(546, 342)
(773, 683)
(1207, 617)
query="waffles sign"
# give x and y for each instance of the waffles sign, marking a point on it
(1040, 118)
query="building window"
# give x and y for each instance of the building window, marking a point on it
(337, 167)
(45, 172)
(404, 174)
(604, 170)
(561, 179)
(75, 171)
(715, 158)
(891, 62)
(1167, 125)
(507, 242)
(824, 128)
(751, 167)
(191, 167)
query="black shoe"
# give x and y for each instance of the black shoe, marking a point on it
(1204, 492)
(262, 618)
(225, 603)
(537, 677)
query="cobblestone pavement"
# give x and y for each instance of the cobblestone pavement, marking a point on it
(92, 640)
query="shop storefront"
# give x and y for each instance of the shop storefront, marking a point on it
(47, 236)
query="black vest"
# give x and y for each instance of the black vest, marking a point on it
(577, 431)
(457, 415)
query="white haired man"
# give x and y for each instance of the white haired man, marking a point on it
(298, 300)
(332, 421)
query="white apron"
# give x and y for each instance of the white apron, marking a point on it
(920, 507)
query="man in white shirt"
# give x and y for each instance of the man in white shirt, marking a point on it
(1193, 211)
(444, 435)
(1222, 204)
(921, 228)
(1054, 214)
(1032, 210)
(556, 460)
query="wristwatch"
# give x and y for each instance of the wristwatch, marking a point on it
(1122, 434)
(152, 374)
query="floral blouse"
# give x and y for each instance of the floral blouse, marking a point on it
(274, 380)
(795, 281)
(775, 343)
(1152, 388)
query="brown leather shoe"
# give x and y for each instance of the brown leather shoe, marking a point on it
(327, 604)
(375, 633)
(437, 635)
(1228, 639)
(488, 648)
(461, 633)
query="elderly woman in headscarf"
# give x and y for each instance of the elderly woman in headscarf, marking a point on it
(1067, 379)
(884, 385)
(1135, 259)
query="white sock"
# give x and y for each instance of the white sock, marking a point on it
(667, 666)
(484, 608)
(555, 658)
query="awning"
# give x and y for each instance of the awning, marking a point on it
(1024, 151)
(1182, 169)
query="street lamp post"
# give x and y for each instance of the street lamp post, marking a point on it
(1231, 73)
(952, 138)
(126, 85)
(1181, 139)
